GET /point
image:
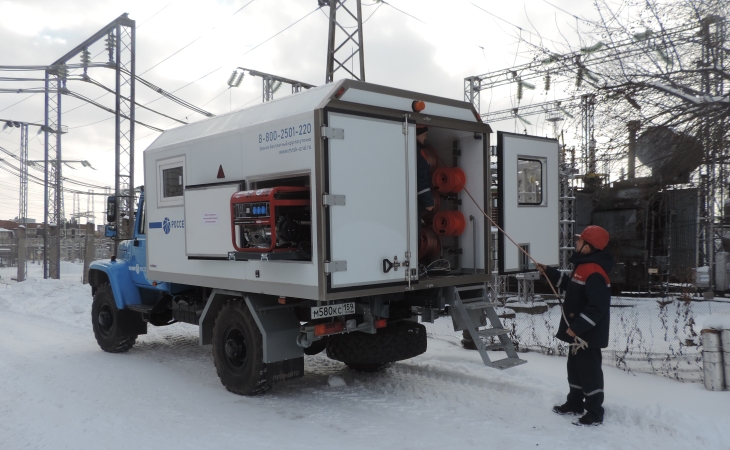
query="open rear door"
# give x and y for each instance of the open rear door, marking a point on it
(371, 201)
(529, 203)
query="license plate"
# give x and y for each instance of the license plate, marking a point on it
(320, 312)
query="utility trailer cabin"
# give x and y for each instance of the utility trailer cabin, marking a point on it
(294, 226)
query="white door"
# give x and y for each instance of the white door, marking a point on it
(371, 168)
(529, 203)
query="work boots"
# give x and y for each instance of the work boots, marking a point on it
(588, 420)
(567, 408)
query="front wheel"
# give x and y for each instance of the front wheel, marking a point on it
(238, 351)
(106, 324)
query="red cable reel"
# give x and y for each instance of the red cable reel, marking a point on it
(449, 180)
(429, 244)
(449, 223)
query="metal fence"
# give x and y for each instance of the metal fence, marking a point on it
(659, 335)
(73, 249)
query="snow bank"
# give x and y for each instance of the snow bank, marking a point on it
(65, 300)
(717, 321)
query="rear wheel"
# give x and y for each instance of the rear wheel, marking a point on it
(372, 352)
(105, 322)
(238, 351)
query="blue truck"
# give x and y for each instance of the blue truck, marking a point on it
(293, 227)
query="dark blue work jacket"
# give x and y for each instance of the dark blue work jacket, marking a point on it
(587, 302)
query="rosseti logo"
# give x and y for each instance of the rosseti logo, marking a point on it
(167, 225)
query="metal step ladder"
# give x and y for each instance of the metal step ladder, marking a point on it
(471, 302)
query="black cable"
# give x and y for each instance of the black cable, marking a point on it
(96, 83)
(63, 179)
(153, 15)
(245, 53)
(169, 96)
(99, 105)
(197, 38)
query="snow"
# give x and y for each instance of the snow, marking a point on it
(716, 321)
(59, 390)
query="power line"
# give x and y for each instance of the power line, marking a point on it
(100, 106)
(153, 15)
(197, 38)
(244, 54)
(9, 167)
(96, 83)
(182, 102)
(403, 12)
(20, 101)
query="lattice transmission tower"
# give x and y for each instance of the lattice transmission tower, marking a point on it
(345, 26)
(119, 40)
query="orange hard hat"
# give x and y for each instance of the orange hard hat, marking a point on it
(596, 236)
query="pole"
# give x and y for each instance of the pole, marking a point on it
(633, 126)
(89, 252)
(21, 254)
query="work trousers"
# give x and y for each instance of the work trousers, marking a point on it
(585, 378)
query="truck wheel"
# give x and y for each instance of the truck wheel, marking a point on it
(238, 351)
(104, 320)
(371, 352)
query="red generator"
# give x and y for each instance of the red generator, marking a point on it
(272, 223)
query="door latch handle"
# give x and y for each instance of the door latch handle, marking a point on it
(387, 265)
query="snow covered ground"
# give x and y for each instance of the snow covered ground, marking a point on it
(58, 390)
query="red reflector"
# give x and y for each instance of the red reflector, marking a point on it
(328, 328)
(418, 106)
(220, 172)
(282, 300)
(339, 92)
(381, 323)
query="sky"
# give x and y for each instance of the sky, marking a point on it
(426, 46)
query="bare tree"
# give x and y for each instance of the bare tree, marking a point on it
(662, 63)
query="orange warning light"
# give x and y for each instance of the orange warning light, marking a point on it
(328, 328)
(418, 105)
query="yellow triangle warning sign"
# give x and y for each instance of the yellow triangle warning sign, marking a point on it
(220, 172)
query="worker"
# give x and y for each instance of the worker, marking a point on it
(423, 179)
(587, 308)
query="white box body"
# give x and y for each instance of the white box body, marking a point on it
(373, 166)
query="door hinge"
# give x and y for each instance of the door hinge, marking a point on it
(333, 133)
(335, 266)
(333, 200)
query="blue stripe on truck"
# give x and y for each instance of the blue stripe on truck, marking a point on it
(155, 224)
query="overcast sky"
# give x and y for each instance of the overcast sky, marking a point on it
(427, 46)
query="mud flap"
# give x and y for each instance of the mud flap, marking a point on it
(284, 370)
(130, 323)
(279, 328)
